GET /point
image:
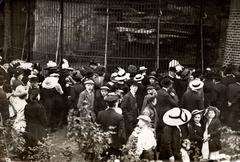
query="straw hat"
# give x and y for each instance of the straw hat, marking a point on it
(88, 81)
(176, 116)
(196, 84)
(49, 82)
(144, 118)
(20, 91)
(138, 77)
(121, 75)
(196, 111)
(142, 68)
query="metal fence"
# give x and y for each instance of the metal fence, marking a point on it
(138, 32)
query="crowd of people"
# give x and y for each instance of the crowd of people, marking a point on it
(176, 115)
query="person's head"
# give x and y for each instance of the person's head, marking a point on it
(6, 66)
(212, 112)
(111, 99)
(238, 78)
(172, 71)
(196, 116)
(34, 95)
(186, 144)
(18, 74)
(93, 64)
(152, 79)
(2, 80)
(166, 83)
(143, 121)
(152, 100)
(89, 85)
(133, 87)
(104, 90)
(150, 89)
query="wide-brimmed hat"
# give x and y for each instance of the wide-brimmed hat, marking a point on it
(20, 91)
(49, 82)
(105, 88)
(196, 84)
(196, 111)
(51, 64)
(176, 116)
(111, 97)
(142, 68)
(33, 78)
(113, 77)
(88, 81)
(54, 75)
(144, 118)
(121, 75)
(150, 87)
(152, 76)
(138, 77)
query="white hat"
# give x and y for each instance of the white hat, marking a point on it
(51, 64)
(173, 63)
(138, 77)
(20, 91)
(49, 82)
(142, 68)
(121, 75)
(176, 116)
(65, 65)
(144, 118)
(54, 75)
(196, 84)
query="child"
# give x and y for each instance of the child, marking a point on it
(211, 137)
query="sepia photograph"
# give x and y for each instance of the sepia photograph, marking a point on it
(120, 81)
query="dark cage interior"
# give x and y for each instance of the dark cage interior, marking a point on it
(138, 32)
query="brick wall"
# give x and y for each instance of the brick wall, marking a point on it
(232, 47)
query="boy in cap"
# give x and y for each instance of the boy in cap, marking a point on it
(114, 118)
(87, 97)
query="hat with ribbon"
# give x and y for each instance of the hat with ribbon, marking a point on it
(138, 77)
(176, 116)
(196, 111)
(144, 118)
(105, 88)
(196, 84)
(121, 75)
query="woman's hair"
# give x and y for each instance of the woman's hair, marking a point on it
(33, 95)
(111, 103)
(23, 96)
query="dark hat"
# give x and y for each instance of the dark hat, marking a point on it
(166, 82)
(100, 70)
(132, 82)
(33, 78)
(150, 87)
(18, 72)
(112, 97)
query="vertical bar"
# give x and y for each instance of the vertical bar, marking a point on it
(201, 36)
(106, 37)
(158, 34)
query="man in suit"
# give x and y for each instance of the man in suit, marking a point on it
(233, 97)
(129, 108)
(112, 116)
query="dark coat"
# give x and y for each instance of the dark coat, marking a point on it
(75, 90)
(4, 105)
(130, 112)
(108, 118)
(229, 79)
(99, 103)
(196, 134)
(172, 142)
(192, 100)
(209, 93)
(36, 121)
(141, 92)
(221, 91)
(215, 134)
(164, 103)
(233, 96)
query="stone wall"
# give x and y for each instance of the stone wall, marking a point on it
(232, 47)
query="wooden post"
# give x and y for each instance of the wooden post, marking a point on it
(201, 35)
(59, 52)
(106, 38)
(158, 34)
(25, 34)
(7, 30)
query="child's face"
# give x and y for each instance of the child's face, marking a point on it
(211, 114)
(197, 118)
